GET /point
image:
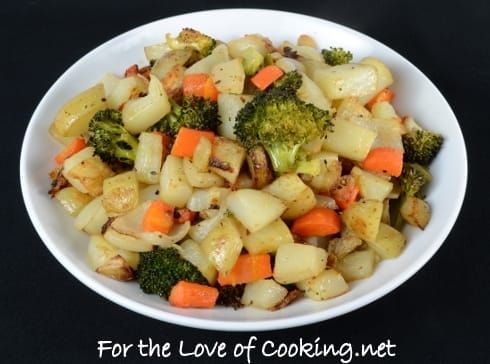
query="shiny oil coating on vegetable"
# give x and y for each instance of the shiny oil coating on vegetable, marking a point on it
(242, 173)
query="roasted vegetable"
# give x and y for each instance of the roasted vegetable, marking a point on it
(414, 177)
(289, 83)
(112, 142)
(258, 164)
(415, 211)
(231, 295)
(264, 293)
(421, 146)
(73, 118)
(192, 39)
(252, 60)
(412, 181)
(193, 113)
(335, 56)
(327, 284)
(159, 270)
(280, 122)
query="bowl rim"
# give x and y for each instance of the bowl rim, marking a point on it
(236, 325)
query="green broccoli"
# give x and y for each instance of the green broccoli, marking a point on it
(268, 59)
(192, 39)
(161, 269)
(195, 113)
(289, 83)
(421, 146)
(280, 122)
(231, 295)
(252, 60)
(413, 179)
(112, 142)
(335, 56)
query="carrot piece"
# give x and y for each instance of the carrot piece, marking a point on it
(248, 268)
(132, 70)
(384, 159)
(201, 85)
(320, 221)
(76, 145)
(184, 214)
(187, 140)
(266, 76)
(158, 217)
(194, 84)
(345, 192)
(210, 90)
(186, 294)
(384, 95)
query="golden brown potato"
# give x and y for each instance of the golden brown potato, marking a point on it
(389, 243)
(371, 186)
(363, 218)
(357, 265)
(297, 262)
(416, 212)
(306, 40)
(350, 140)
(73, 117)
(301, 205)
(254, 209)
(110, 261)
(200, 179)
(227, 158)
(229, 76)
(327, 284)
(193, 252)
(264, 293)
(269, 238)
(121, 192)
(223, 244)
(347, 80)
(288, 187)
(86, 172)
(72, 200)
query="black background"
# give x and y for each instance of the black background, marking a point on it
(441, 315)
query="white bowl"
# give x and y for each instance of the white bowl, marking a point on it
(415, 95)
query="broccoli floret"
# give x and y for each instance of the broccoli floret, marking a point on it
(192, 39)
(252, 60)
(421, 146)
(195, 113)
(413, 179)
(268, 60)
(161, 269)
(231, 295)
(289, 83)
(335, 56)
(112, 142)
(280, 122)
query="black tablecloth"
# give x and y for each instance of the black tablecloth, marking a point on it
(441, 315)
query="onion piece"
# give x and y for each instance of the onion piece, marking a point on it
(199, 231)
(126, 232)
(203, 199)
(326, 201)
